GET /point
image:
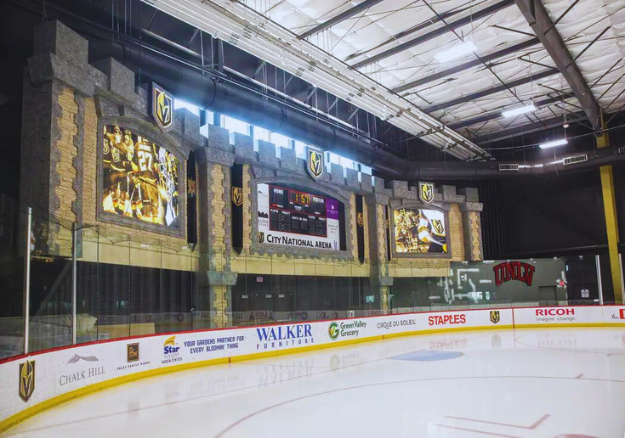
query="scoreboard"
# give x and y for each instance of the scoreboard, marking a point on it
(296, 212)
(292, 217)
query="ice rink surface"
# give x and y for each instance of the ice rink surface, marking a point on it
(564, 383)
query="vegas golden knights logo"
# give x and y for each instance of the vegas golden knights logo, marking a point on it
(237, 196)
(314, 162)
(494, 316)
(27, 379)
(191, 190)
(360, 219)
(261, 237)
(426, 192)
(437, 227)
(132, 352)
(162, 107)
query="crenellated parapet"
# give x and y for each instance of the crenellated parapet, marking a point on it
(95, 153)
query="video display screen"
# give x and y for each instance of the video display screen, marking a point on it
(419, 231)
(140, 179)
(285, 213)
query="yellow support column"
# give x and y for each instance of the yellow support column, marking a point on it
(611, 221)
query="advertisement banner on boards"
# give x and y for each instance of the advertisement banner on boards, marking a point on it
(557, 315)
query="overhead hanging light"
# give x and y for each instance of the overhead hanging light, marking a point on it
(555, 143)
(518, 111)
(456, 52)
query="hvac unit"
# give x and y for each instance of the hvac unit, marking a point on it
(575, 160)
(508, 167)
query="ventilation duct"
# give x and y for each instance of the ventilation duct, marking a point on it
(221, 96)
(575, 160)
(508, 167)
(228, 98)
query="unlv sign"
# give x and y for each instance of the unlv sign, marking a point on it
(509, 271)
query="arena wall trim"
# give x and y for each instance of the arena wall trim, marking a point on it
(66, 373)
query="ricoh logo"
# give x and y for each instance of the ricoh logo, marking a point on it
(554, 312)
(555, 315)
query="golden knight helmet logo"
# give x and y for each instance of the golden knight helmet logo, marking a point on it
(27, 379)
(426, 192)
(314, 162)
(360, 220)
(261, 237)
(495, 317)
(237, 196)
(162, 107)
(437, 227)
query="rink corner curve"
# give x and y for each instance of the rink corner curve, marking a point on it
(30, 384)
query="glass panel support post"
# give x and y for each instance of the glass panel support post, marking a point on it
(27, 250)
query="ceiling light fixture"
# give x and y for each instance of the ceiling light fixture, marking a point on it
(518, 111)
(456, 52)
(553, 144)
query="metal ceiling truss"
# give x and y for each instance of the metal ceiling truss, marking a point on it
(543, 125)
(250, 31)
(340, 18)
(497, 114)
(409, 31)
(480, 94)
(467, 65)
(435, 33)
(538, 18)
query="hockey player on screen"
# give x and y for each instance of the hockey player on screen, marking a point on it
(145, 177)
(116, 159)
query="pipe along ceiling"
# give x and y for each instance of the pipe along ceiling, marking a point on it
(225, 97)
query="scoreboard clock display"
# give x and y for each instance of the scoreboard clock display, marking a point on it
(296, 212)
(294, 218)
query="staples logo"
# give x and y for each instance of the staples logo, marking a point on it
(447, 319)
(554, 312)
(621, 313)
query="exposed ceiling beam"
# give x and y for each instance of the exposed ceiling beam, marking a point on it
(497, 114)
(543, 125)
(538, 18)
(251, 32)
(341, 17)
(488, 92)
(404, 33)
(467, 65)
(435, 33)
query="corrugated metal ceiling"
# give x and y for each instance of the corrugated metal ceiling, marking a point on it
(422, 29)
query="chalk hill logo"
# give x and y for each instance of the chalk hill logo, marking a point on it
(508, 271)
(495, 316)
(360, 220)
(132, 352)
(27, 379)
(261, 237)
(314, 162)
(237, 196)
(426, 192)
(73, 376)
(162, 107)
(76, 358)
(333, 331)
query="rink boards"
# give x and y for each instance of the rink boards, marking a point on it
(29, 384)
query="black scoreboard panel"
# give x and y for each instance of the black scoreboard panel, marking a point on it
(296, 212)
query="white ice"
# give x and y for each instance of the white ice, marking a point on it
(559, 383)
